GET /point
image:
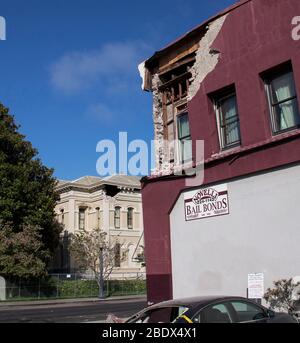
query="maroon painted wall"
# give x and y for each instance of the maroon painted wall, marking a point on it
(255, 37)
(156, 200)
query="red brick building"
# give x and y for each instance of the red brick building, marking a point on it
(234, 82)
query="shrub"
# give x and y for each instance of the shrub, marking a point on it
(282, 295)
(78, 288)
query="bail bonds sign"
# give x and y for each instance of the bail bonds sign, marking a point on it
(206, 202)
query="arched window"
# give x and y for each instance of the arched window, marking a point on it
(118, 255)
(130, 218)
(117, 217)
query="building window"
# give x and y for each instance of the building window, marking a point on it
(118, 255)
(98, 217)
(117, 218)
(184, 138)
(174, 89)
(130, 218)
(283, 101)
(228, 121)
(62, 216)
(81, 219)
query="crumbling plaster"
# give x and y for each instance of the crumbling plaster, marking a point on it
(206, 58)
(205, 62)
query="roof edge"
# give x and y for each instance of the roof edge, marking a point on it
(227, 10)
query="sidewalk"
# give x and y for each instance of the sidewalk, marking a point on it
(67, 301)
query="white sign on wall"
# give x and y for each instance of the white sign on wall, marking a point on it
(206, 202)
(256, 286)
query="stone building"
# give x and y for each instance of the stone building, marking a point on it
(112, 204)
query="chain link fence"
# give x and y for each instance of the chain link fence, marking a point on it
(64, 286)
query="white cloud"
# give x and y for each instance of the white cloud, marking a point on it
(114, 64)
(100, 112)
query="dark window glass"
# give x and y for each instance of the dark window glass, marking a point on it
(81, 219)
(247, 312)
(130, 218)
(117, 217)
(184, 137)
(228, 121)
(214, 314)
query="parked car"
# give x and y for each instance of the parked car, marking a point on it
(209, 309)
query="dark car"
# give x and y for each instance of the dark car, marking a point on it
(296, 311)
(209, 309)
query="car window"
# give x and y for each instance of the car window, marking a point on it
(214, 314)
(161, 315)
(138, 318)
(247, 312)
(179, 312)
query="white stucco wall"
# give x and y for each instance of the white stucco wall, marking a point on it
(261, 234)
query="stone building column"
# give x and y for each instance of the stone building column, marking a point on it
(72, 217)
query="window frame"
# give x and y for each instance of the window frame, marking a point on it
(82, 210)
(268, 79)
(130, 212)
(229, 309)
(248, 303)
(117, 218)
(217, 100)
(180, 154)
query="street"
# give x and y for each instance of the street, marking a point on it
(78, 312)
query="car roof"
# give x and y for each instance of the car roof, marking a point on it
(200, 301)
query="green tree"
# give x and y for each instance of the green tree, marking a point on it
(27, 200)
(21, 253)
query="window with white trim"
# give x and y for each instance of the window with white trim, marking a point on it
(117, 217)
(130, 218)
(228, 120)
(81, 218)
(184, 138)
(282, 98)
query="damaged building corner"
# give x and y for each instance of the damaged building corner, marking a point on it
(174, 76)
(206, 57)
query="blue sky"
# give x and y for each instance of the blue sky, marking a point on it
(68, 70)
